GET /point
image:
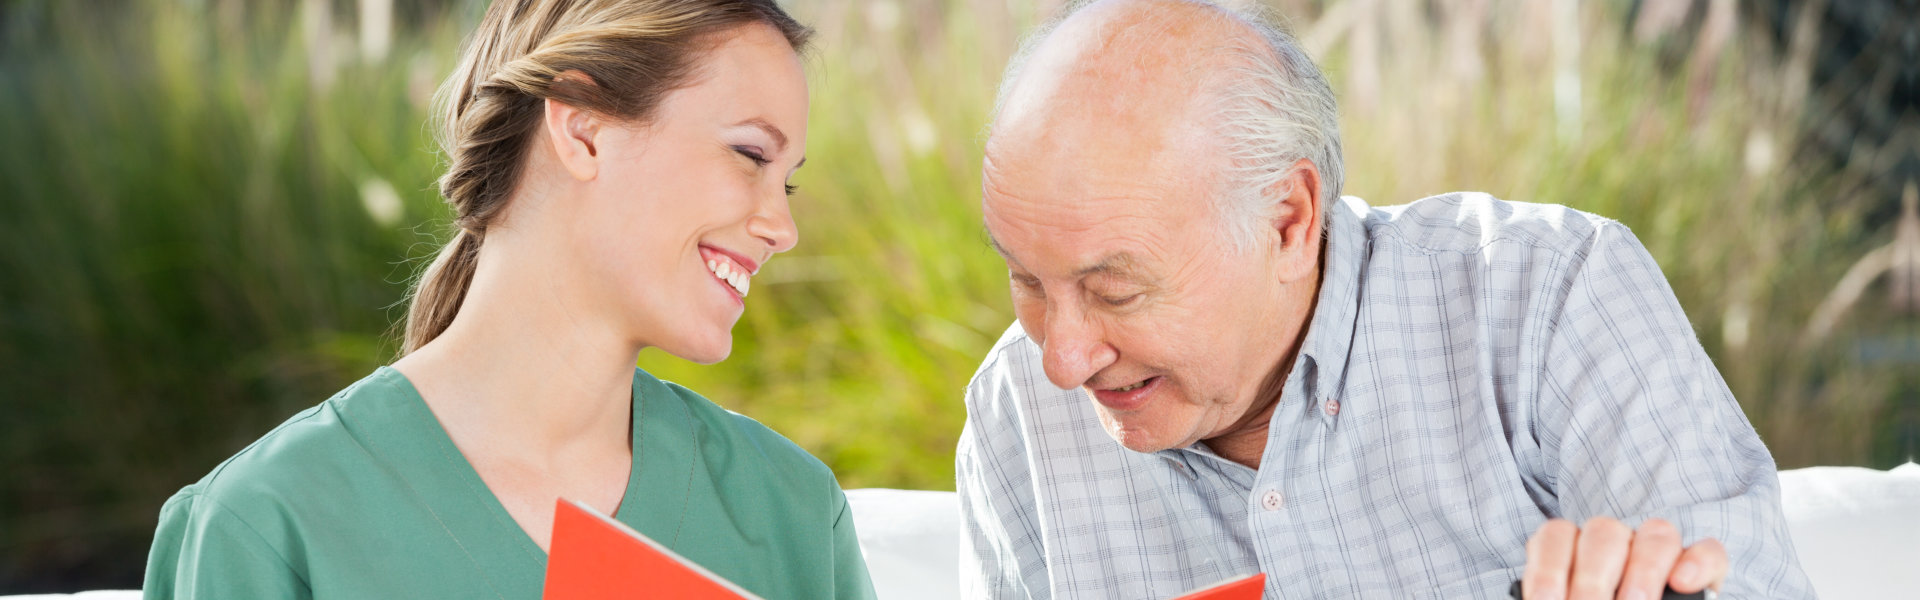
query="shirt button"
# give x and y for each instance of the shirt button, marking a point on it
(1180, 467)
(1270, 500)
(1333, 407)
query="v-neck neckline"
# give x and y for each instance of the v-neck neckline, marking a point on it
(429, 461)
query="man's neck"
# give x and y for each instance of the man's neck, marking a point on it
(1246, 441)
(1246, 445)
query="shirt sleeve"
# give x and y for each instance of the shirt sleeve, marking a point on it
(1634, 422)
(1000, 551)
(850, 578)
(202, 551)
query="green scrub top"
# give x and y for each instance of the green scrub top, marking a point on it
(365, 496)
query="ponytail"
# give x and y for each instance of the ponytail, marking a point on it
(441, 290)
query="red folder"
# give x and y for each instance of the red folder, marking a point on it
(1241, 588)
(593, 557)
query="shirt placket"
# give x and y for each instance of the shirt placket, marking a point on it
(1277, 504)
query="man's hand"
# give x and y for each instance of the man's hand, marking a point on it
(1606, 560)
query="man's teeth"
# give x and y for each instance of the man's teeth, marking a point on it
(1131, 387)
(740, 280)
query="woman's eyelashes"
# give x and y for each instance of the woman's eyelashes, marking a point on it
(754, 154)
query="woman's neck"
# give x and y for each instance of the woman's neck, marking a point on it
(527, 365)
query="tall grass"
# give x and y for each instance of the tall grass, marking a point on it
(208, 215)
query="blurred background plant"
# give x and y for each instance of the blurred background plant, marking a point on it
(209, 210)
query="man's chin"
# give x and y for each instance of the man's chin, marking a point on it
(1138, 437)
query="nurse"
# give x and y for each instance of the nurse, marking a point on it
(618, 171)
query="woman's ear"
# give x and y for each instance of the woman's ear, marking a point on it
(574, 134)
(1296, 219)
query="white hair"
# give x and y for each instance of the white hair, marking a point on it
(1272, 108)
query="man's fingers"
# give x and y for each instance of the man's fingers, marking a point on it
(1702, 565)
(1597, 559)
(1603, 559)
(1656, 545)
(1549, 558)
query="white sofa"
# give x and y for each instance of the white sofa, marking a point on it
(1857, 531)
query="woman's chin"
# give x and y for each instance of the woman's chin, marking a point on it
(704, 352)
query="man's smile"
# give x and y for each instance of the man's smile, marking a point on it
(1129, 397)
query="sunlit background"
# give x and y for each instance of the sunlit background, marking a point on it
(209, 210)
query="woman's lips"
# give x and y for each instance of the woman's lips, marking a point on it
(1129, 400)
(727, 288)
(747, 265)
(728, 271)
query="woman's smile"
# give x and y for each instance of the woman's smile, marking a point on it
(731, 270)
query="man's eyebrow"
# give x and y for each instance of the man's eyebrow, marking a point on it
(1118, 264)
(779, 137)
(1002, 250)
(999, 249)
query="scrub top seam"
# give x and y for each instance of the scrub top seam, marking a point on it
(430, 508)
(217, 505)
(686, 504)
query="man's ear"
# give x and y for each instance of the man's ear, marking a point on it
(1296, 218)
(574, 134)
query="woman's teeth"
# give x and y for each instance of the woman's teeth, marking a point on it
(1132, 387)
(725, 270)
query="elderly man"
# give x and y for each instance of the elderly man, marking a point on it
(1221, 367)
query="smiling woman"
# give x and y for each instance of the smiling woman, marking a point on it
(618, 173)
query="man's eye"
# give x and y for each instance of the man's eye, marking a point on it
(1119, 302)
(1031, 284)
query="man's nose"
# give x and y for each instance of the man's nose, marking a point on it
(1073, 348)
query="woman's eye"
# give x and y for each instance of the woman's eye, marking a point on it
(752, 154)
(791, 188)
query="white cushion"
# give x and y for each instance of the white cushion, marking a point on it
(1857, 530)
(911, 540)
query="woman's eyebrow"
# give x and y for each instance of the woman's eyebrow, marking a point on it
(779, 137)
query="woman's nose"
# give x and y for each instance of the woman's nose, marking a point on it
(774, 225)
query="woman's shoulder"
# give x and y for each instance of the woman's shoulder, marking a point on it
(300, 459)
(732, 432)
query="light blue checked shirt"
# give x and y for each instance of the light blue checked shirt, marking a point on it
(1473, 368)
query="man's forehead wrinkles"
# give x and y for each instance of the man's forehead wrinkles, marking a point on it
(1120, 264)
(1125, 263)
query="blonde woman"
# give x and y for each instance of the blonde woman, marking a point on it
(618, 170)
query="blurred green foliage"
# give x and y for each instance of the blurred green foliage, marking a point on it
(212, 208)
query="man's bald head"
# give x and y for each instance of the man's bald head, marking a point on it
(1181, 82)
(1116, 132)
(1133, 60)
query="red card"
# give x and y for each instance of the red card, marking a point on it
(1243, 588)
(593, 557)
